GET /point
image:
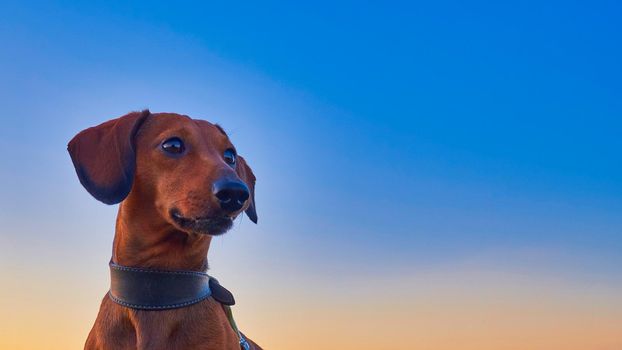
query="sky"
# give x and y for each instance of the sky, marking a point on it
(429, 176)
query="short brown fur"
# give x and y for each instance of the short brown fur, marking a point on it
(146, 235)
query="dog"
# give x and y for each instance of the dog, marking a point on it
(179, 182)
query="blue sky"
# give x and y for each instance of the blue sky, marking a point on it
(449, 147)
(385, 137)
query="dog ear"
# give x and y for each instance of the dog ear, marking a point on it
(246, 174)
(104, 157)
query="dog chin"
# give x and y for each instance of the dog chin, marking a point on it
(213, 226)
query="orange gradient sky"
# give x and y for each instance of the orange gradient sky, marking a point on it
(466, 307)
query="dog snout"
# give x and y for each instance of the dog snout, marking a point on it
(231, 194)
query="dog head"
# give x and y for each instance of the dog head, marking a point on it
(187, 169)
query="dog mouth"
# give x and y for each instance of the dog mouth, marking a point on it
(214, 225)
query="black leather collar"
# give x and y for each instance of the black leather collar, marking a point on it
(151, 289)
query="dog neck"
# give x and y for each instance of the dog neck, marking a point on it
(144, 239)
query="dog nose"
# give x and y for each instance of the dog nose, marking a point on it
(231, 194)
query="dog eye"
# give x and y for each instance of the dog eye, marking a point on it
(229, 156)
(173, 145)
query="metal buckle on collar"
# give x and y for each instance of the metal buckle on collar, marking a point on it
(243, 343)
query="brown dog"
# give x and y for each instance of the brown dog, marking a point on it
(180, 182)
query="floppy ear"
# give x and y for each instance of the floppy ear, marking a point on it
(246, 174)
(105, 159)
